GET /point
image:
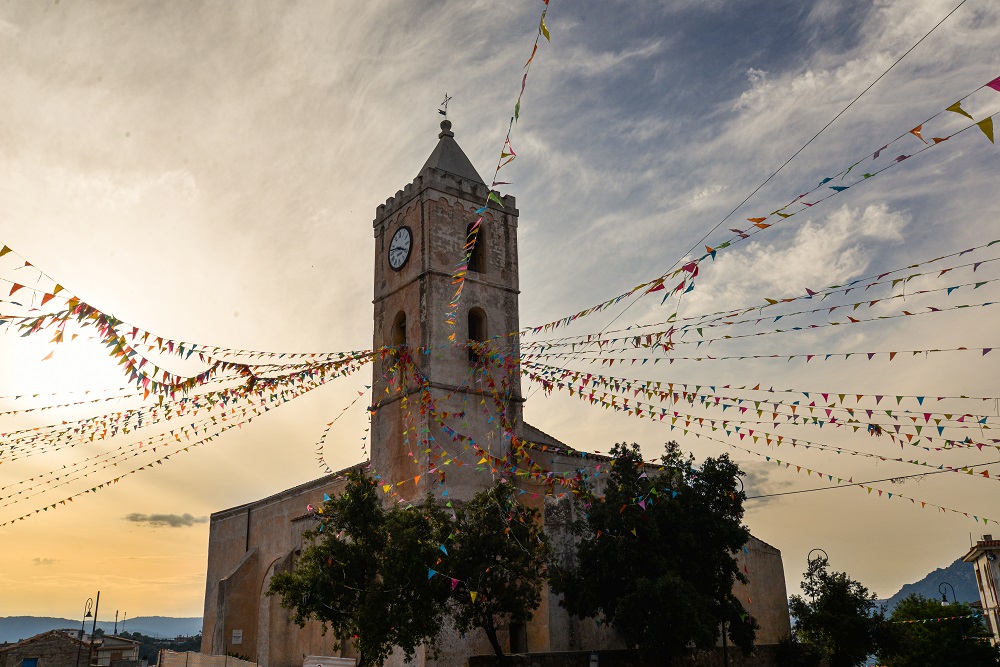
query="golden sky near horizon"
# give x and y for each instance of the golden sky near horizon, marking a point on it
(209, 172)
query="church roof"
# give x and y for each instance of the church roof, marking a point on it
(448, 156)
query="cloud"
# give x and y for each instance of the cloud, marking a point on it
(172, 520)
(44, 561)
(759, 481)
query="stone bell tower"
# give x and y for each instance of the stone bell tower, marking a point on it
(420, 235)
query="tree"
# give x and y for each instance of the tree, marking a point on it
(655, 556)
(917, 638)
(840, 618)
(499, 554)
(365, 575)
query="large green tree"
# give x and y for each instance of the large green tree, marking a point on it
(837, 615)
(365, 574)
(656, 550)
(923, 633)
(498, 558)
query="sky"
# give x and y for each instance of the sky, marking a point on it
(210, 171)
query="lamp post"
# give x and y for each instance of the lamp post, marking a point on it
(944, 596)
(945, 603)
(86, 609)
(809, 556)
(93, 629)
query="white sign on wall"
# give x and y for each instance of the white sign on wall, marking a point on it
(237, 637)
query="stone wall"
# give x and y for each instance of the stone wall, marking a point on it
(52, 649)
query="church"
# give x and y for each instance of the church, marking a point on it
(419, 233)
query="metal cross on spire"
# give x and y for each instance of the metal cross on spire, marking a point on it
(443, 110)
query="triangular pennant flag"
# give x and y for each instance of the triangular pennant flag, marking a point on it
(986, 125)
(957, 108)
(545, 31)
(473, 594)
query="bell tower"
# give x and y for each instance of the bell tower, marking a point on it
(437, 399)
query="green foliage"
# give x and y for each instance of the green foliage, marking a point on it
(840, 617)
(365, 575)
(963, 641)
(500, 553)
(661, 572)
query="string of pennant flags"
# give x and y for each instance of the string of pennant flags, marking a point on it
(549, 377)
(266, 380)
(507, 155)
(864, 283)
(687, 273)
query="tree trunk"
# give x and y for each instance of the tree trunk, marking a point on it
(491, 634)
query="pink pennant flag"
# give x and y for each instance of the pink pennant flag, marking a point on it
(994, 84)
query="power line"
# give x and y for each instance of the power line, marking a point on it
(873, 481)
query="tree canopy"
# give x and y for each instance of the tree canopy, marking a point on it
(924, 633)
(838, 615)
(365, 575)
(499, 554)
(387, 577)
(656, 553)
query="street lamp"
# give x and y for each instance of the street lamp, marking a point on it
(809, 556)
(86, 608)
(944, 603)
(944, 596)
(93, 631)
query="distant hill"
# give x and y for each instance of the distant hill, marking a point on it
(16, 628)
(959, 574)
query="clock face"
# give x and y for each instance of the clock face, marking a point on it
(399, 248)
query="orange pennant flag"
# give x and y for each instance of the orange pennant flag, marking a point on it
(14, 289)
(533, 51)
(916, 132)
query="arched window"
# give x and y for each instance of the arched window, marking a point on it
(477, 334)
(398, 340)
(477, 258)
(399, 330)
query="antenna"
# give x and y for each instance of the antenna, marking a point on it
(443, 108)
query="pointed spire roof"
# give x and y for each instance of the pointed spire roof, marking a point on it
(448, 156)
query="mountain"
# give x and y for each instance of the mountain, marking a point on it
(16, 628)
(959, 574)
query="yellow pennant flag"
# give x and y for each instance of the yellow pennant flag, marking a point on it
(473, 594)
(544, 29)
(957, 108)
(986, 125)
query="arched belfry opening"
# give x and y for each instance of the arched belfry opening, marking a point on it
(477, 334)
(477, 258)
(399, 330)
(398, 338)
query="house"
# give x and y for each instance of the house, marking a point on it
(984, 556)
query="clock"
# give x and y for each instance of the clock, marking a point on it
(399, 248)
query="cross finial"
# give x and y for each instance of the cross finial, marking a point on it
(443, 109)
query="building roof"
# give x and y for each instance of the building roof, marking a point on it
(448, 156)
(981, 547)
(61, 634)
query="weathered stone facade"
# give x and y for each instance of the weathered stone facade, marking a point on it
(411, 451)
